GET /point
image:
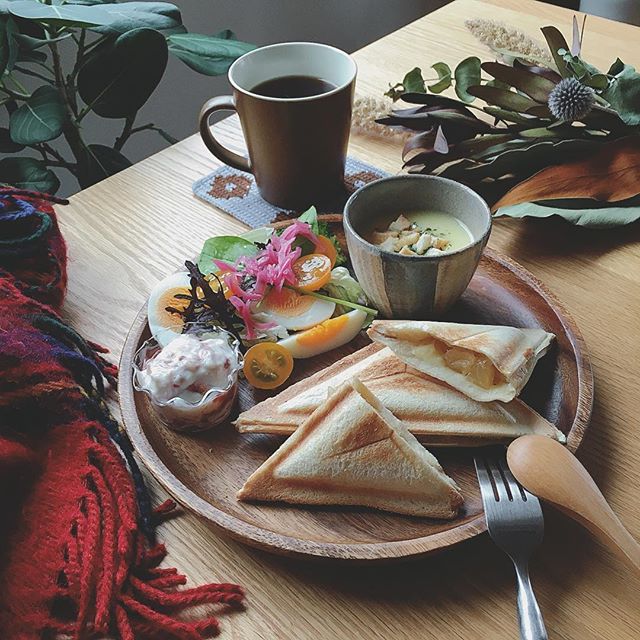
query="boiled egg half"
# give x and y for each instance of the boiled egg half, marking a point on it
(327, 335)
(164, 325)
(294, 311)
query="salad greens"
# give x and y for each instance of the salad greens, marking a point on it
(227, 248)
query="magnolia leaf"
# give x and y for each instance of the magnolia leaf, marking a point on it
(440, 144)
(121, 74)
(444, 77)
(525, 158)
(508, 116)
(556, 41)
(601, 217)
(435, 101)
(28, 173)
(467, 73)
(104, 162)
(68, 15)
(39, 119)
(126, 16)
(535, 86)
(502, 98)
(623, 95)
(207, 54)
(576, 43)
(545, 72)
(609, 174)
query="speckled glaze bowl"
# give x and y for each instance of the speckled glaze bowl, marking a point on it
(416, 287)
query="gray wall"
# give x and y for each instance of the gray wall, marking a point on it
(348, 24)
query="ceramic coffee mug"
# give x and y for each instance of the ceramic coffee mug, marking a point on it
(297, 145)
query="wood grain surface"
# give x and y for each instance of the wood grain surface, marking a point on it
(127, 232)
(204, 471)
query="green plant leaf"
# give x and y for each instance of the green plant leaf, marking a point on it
(104, 162)
(139, 15)
(226, 248)
(616, 67)
(413, 82)
(583, 215)
(208, 55)
(7, 145)
(507, 116)
(39, 119)
(310, 216)
(28, 173)
(444, 77)
(8, 45)
(29, 43)
(556, 41)
(502, 98)
(535, 86)
(68, 15)
(121, 74)
(623, 94)
(467, 73)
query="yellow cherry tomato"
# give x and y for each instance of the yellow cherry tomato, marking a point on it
(327, 248)
(312, 272)
(267, 365)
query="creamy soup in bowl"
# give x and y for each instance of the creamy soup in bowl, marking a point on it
(414, 242)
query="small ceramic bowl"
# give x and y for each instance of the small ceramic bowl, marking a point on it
(214, 405)
(414, 287)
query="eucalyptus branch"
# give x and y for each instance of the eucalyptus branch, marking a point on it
(50, 150)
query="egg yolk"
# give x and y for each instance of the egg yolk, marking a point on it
(168, 299)
(287, 302)
(322, 332)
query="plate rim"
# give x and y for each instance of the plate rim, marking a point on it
(281, 544)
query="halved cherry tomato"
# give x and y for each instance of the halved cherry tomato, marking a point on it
(312, 271)
(327, 248)
(267, 365)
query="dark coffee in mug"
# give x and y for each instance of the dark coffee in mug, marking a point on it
(294, 102)
(293, 87)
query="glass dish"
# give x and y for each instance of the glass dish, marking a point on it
(215, 404)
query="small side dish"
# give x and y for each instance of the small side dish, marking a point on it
(422, 233)
(286, 289)
(190, 379)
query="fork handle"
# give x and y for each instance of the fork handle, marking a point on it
(529, 615)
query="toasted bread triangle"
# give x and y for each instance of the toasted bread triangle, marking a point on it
(434, 412)
(513, 352)
(353, 451)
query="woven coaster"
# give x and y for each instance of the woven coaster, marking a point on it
(236, 193)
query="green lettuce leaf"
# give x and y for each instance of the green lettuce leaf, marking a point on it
(227, 248)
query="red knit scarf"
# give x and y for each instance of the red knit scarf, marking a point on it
(78, 556)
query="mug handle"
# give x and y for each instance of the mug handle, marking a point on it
(221, 103)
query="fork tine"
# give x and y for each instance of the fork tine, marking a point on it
(499, 484)
(517, 490)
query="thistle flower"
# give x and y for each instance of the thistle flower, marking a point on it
(365, 111)
(501, 37)
(571, 100)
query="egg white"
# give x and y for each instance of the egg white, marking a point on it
(307, 313)
(166, 326)
(306, 345)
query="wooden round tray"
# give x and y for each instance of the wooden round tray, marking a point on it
(204, 471)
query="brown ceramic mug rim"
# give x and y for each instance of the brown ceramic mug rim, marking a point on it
(237, 87)
(482, 238)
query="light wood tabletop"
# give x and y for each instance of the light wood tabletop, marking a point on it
(127, 232)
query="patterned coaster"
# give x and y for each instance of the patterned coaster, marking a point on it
(236, 193)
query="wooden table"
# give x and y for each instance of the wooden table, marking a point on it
(127, 232)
